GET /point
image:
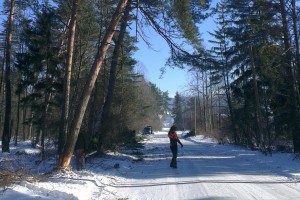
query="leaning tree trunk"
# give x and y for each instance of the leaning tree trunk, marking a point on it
(7, 121)
(67, 79)
(65, 158)
(292, 100)
(113, 69)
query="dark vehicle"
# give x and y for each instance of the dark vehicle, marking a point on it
(148, 130)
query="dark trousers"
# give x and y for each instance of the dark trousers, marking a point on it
(174, 157)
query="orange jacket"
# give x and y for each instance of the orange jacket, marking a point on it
(174, 139)
(173, 136)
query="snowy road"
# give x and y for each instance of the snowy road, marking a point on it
(207, 170)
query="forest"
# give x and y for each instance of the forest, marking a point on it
(67, 67)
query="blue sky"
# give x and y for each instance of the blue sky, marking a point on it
(154, 58)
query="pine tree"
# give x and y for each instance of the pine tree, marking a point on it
(39, 68)
(177, 111)
(77, 120)
(252, 28)
(221, 50)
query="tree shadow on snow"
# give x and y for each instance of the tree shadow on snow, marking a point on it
(202, 159)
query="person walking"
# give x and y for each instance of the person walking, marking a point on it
(173, 145)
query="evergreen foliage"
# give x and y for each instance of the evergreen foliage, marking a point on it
(177, 111)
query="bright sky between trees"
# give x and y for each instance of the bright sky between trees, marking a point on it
(152, 59)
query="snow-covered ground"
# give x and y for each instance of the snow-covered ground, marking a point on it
(206, 170)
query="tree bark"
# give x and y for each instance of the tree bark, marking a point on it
(7, 121)
(1, 83)
(65, 158)
(18, 120)
(24, 115)
(2, 73)
(198, 107)
(205, 101)
(67, 79)
(30, 128)
(44, 123)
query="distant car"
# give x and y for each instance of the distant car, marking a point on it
(148, 130)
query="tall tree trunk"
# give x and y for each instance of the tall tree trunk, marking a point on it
(258, 118)
(1, 94)
(198, 105)
(24, 113)
(65, 158)
(212, 121)
(292, 100)
(203, 103)
(113, 68)
(199, 109)
(225, 74)
(219, 109)
(296, 35)
(67, 79)
(1, 83)
(38, 136)
(2, 71)
(206, 111)
(7, 121)
(44, 123)
(18, 120)
(229, 103)
(30, 128)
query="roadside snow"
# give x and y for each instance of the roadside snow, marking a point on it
(206, 170)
